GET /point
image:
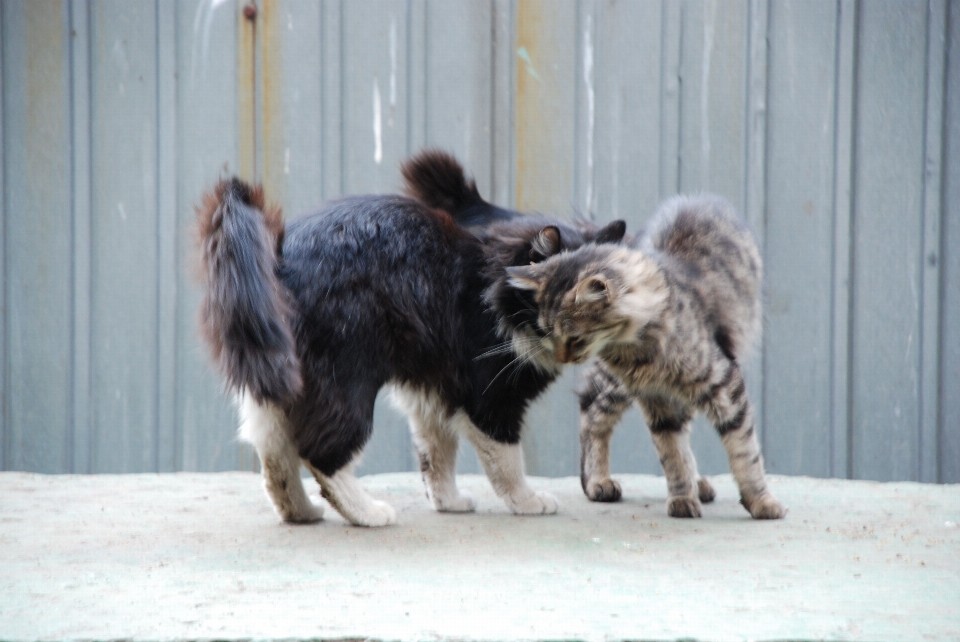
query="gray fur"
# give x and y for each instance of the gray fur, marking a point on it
(671, 319)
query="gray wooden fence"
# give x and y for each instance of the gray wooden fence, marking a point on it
(832, 125)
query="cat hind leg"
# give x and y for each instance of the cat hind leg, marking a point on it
(732, 415)
(344, 493)
(436, 443)
(503, 464)
(266, 427)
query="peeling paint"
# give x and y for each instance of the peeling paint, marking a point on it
(273, 145)
(377, 126)
(247, 96)
(544, 169)
(204, 14)
(709, 23)
(525, 57)
(588, 81)
(393, 62)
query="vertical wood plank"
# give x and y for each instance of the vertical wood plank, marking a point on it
(124, 242)
(383, 105)
(207, 148)
(843, 203)
(272, 27)
(670, 70)
(799, 222)
(888, 175)
(167, 232)
(948, 438)
(298, 35)
(713, 100)
(4, 393)
(456, 82)
(417, 42)
(713, 68)
(621, 143)
(755, 183)
(620, 134)
(375, 119)
(503, 39)
(38, 239)
(548, 68)
(331, 78)
(81, 177)
(459, 84)
(930, 259)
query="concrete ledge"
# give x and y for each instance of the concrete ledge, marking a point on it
(188, 556)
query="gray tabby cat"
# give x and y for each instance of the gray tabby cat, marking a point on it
(670, 320)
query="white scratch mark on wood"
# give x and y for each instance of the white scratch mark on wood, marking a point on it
(709, 20)
(393, 62)
(588, 81)
(377, 124)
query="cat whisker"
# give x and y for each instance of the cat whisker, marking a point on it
(512, 362)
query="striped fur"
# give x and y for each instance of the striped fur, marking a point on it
(670, 320)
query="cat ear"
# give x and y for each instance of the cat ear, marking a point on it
(523, 278)
(545, 244)
(592, 288)
(611, 233)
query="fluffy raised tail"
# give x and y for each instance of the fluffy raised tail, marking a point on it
(436, 179)
(246, 312)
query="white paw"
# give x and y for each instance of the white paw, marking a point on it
(304, 515)
(540, 503)
(378, 513)
(461, 503)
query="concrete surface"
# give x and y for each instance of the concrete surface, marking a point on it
(188, 556)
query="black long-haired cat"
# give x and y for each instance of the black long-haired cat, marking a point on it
(307, 322)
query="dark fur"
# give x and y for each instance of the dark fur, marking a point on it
(381, 289)
(246, 313)
(437, 179)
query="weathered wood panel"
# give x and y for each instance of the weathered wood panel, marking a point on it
(799, 236)
(207, 148)
(887, 223)
(37, 237)
(831, 126)
(948, 427)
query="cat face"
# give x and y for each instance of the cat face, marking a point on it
(590, 298)
(525, 243)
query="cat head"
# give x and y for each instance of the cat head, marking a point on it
(526, 243)
(590, 298)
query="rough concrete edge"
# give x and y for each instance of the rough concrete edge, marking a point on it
(451, 639)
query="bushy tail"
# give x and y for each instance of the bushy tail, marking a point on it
(436, 179)
(246, 312)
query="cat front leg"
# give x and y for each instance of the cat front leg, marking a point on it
(732, 414)
(669, 425)
(436, 443)
(265, 427)
(503, 464)
(603, 400)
